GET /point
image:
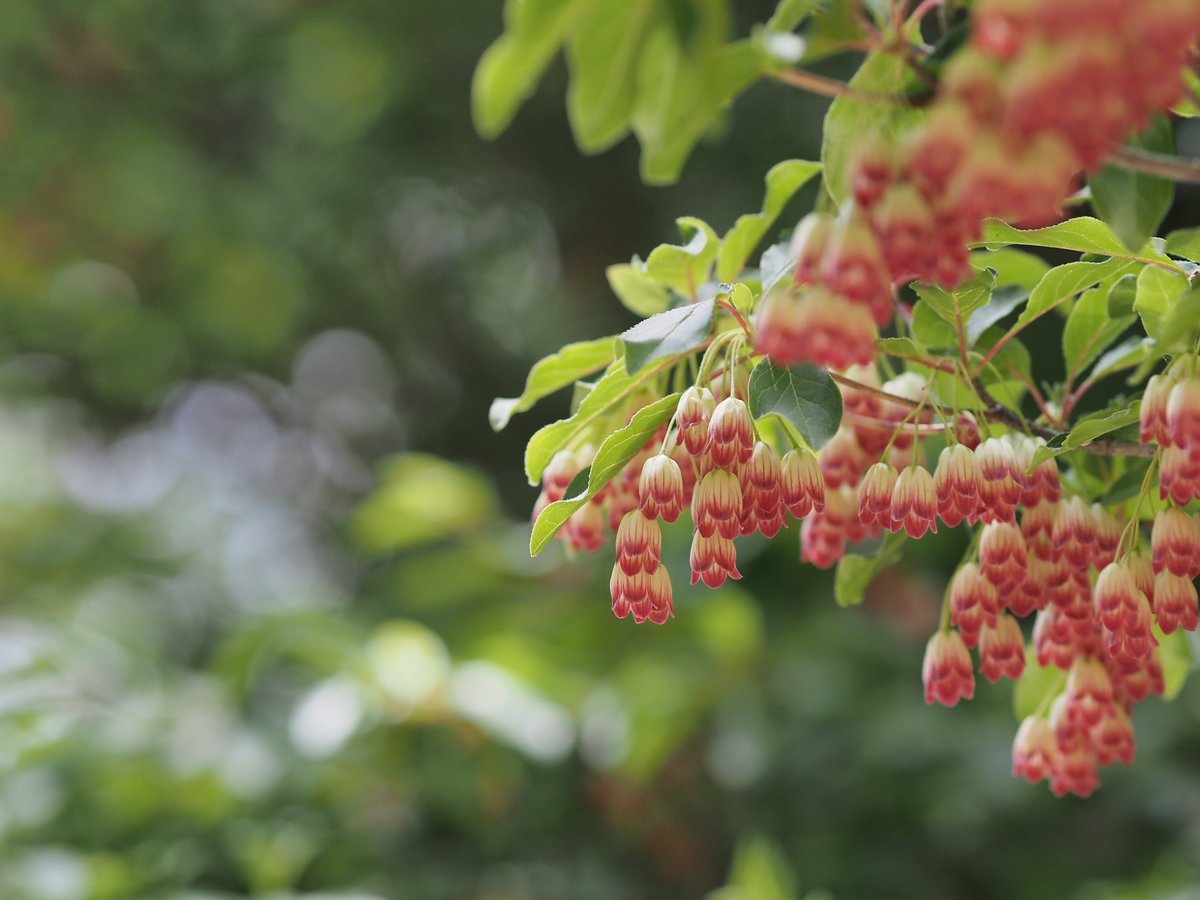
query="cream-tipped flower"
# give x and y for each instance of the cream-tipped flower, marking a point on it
(1003, 558)
(801, 483)
(1107, 536)
(639, 543)
(842, 459)
(1074, 535)
(1000, 483)
(947, 672)
(717, 505)
(875, 495)
(730, 434)
(813, 325)
(808, 244)
(914, 502)
(1089, 693)
(692, 416)
(973, 603)
(660, 488)
(1035, 750)
(1183, 413)
(1174, 602)
(1175, 542)
(957, 483)
(713, 559)
(1002, 649)
(1112, 738)
(1153, 411)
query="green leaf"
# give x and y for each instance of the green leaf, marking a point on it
(790, 13)
(1185, 243)
(856, 572)
(682, 92)
(1082, 234)
(867, 112)
(1122, 295)
(667, 334)
(931, 329)
(1062, 283)
(905, 348)
(1189, 106)
(958, 305)
(509, 69)
(1127, 354)
(685, 267)
(637, 291)
(1179, 325)
(1157, 291)
(1101, 423)
(1036, 687)
(1134, 203)
(615, 452)
(782, 183)
(615, 385)
(1013, 267)
(603, 55)
(1175, 653)
(1089, 330)
(548, 375)
(760, 871)
(1003, 301)
(1129, 485)
(803, 396)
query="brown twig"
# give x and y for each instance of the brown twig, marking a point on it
(1176, 168)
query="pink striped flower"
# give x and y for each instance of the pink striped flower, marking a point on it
(801, 484)
(914, 502)
(1002, 649)
(639, 543)
(730, 434)
(717, 505)
(973, 603)
(660, 488)
(1003, 558)
(947, 671)
(875, 495)
(1175, 542)
(713, 559)
(957, 484)
(1174, 602)
(692, 416)
(1035, 751)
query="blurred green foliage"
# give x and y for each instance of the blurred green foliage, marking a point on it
(269, 625)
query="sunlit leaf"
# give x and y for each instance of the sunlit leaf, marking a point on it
(669, 333)
(616, 450)
(782, 181)
(548, 375)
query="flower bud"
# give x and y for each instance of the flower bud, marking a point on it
(692, 415)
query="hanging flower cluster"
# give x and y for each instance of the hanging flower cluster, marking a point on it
(1044, 91)
(1079, 575)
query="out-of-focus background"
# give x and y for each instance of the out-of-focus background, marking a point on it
(268, 623)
